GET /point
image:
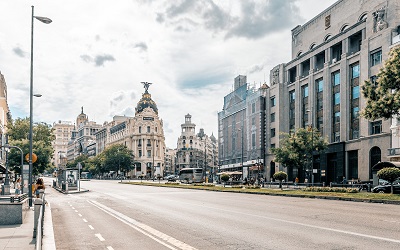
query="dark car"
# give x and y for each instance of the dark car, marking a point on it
(387, 188)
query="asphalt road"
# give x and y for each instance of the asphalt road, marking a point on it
(119, 216)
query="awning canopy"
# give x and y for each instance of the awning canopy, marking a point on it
(386, 164)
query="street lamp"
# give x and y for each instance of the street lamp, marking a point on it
(46, 21)
(311, 175)
(241, 129)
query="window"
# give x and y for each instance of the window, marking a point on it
(336, 78)
(140, 130)
(336, 137)
(273, 145)
(375, 127)
(305, 91)
(140, 153)
(355, 112)
(273, 101)
(355, 71)
(148, 129)
(272, 132)
(253, 121)
(320, 105)
(253, 108)
(149, 142)
(292, 96)
(356, 92)
(336, 100)
(337, 117)
(273, 117)
(253, 140)
(148, 153)
(320, 85)
(376, 57)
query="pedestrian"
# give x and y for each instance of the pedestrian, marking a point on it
(296, 181)
(39, 186)
(17, 186)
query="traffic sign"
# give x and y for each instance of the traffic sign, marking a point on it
(34, 157)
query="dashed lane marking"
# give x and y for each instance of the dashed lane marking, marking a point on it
(80, 215)
(150, 232)
(84, 220)
(76, 210)
(100, 237)
(110, 248)
(90, 226)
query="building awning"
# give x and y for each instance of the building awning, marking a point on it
(2, 169)
(386, 164)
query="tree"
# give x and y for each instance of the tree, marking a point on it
(18, 135)
(117, 158)
(280, 176)
(383, 94)
(389, 174)
(296, 148)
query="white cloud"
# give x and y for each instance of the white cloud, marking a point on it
(95, 54)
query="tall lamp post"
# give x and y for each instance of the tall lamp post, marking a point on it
(46, 21)
(311, 175)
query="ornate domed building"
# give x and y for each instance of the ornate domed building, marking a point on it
(143, 134)
(148, 141)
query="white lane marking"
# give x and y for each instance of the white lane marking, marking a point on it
(150, 232)
(84, 220)
(90, 226)
(110, 248)
(308, 225)
(72, 207)
(100, 237)
(76, 210)
(80, 215)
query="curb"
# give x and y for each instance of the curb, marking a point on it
(48, 241)
(391, 202)
(75, 192)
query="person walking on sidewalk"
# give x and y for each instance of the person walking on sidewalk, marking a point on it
(39, 186)
(17, 186)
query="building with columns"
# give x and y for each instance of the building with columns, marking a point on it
(332, 55)
(196, 150)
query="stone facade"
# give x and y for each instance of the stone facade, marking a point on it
(241, 128)
(62, 133)
(5, 116)
(332, 55)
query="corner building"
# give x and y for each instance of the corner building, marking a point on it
(332, 55)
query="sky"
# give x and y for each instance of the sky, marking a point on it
(96, 53)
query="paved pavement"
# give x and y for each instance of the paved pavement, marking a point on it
(20, 236)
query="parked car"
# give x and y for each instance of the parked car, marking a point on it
(172, 177)
(387, 188)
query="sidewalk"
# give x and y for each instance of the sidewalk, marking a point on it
(18, 236)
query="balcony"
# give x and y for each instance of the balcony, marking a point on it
(394, 152)
(396, 39)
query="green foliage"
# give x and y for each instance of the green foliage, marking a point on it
(389, 174)
(383, 96)
(296, 148)
(280, 176)
(18, 135)
(331, 190)
(117, 157)
(225, 177)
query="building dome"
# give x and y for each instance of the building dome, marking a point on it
(146, 102)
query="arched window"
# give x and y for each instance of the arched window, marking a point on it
(374, 158)
(363, 17)
(299, 54)
(344, 27)
(327, 37)
(312, 46)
